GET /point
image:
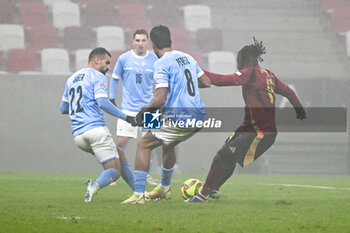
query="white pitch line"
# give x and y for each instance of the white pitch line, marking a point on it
(68, 218)
(309, 186)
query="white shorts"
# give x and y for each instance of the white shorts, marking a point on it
(99, 142)
(125, 129)
(174, 134)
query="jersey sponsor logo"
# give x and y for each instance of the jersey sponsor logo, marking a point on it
(151, 120)
(238, 73)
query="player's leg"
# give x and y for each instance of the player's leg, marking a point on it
(170, 137)
(124, 132)
(100, 143)
(222, 167)
(242, 148)
(110, 174)
(149, 180)
(144, 147)
(125, 170)
(162, 191)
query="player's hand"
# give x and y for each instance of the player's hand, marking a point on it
(113, 101)
(139, 118)
(301, 114)
(131, 120)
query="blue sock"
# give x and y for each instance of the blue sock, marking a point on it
(126, 173)
(166, 176)
(140, 181)
(107, 176)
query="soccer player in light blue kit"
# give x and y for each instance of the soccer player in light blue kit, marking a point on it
(177, 77)
(135, 69)
(84, 98)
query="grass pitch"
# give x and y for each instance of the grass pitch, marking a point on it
(54, 203)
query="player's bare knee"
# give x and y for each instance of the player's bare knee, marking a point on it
(113, 163)
(122, 142)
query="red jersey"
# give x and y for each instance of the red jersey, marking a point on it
(258, 88)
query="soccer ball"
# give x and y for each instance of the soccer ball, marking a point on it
(190, 188)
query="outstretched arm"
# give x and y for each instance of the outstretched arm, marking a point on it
(109, 108)
(235, 79)
(284, 90)
(204, 81)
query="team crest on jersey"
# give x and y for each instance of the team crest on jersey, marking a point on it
(102, 85)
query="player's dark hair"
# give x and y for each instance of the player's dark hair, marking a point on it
(160, 36)
(98, 52)
(140, 31)
(254, 50)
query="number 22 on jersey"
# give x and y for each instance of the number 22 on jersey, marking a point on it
(76, 94)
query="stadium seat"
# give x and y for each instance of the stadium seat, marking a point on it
(43, 36)
(132, 15)
(95, 14)
(180, 38)
(7, 12)
(329, 5)
(341, 26)
(110, 37)
(33, 13)
(341, 19)
(65, 14)
(164, 14)
(181, 3)
(341, 12)
(77, 38)
(51, 2)
(222, 62)
(208, 39)
(54, 61)
(21, 60)
(196, 17)
(84, 2)
(11, 36)
(81, 58)
(197, 55)
(115, 55)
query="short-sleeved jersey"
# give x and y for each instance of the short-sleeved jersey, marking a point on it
(136, 73)
(258, 87)
(179, 72)
(81, 91)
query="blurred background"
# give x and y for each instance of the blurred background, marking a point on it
(42, 42)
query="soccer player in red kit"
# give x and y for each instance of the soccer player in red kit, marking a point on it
(258, 131)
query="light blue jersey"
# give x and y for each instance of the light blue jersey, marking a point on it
(81, 91)
(179, 72)
(136, 73)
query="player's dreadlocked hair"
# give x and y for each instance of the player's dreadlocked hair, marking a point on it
(254, 50)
